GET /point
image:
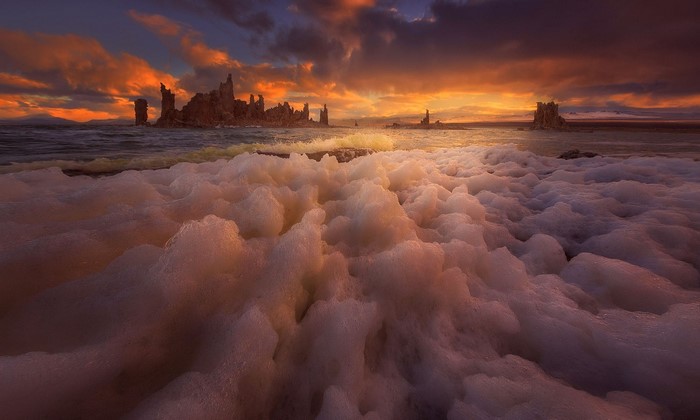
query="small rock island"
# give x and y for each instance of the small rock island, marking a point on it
(220, 107)
(547, 117)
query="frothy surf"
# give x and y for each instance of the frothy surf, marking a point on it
(466, 283)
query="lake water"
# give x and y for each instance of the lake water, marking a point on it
(114, 148)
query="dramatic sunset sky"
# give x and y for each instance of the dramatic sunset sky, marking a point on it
(465, 60)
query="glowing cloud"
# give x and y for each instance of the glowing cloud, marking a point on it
(20, 82)
(295, 83)
(88, 81)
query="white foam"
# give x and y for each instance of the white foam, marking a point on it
(473, 282)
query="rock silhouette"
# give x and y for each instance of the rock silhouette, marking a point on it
(219, 107)
(323, 118)
(547, 117)
(141, 111)
(167, 102)
(426, 120)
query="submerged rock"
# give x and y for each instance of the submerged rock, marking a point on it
(575, 154)
(345, 154)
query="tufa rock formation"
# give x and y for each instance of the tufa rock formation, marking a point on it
(226, 95)
(167, 102)
(220, 107)
(141, 111)
(323, 118)
(426, 120)
(547, 117)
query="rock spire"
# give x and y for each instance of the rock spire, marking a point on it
(167, 102)
(426, 120)
(323, 118)
(141, 111)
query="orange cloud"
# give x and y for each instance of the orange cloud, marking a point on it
(11, 106)
(22, 105)
(190, 44)
(211, 65)
(336, 11)
(17, 81)
(80, 115)
(79, 72)
(402, 92)
(198, 54)
(157, 23)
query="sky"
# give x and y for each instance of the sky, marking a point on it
(465, 60)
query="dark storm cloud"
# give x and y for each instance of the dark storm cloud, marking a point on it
(309, 44)
(559, 47)
(248, 14)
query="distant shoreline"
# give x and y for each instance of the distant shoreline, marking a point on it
(671, 126)
(686, 126)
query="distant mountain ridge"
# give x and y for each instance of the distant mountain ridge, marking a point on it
(46, 119)
(111, 121)
(37, 119)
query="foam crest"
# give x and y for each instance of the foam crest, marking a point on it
(364, 139)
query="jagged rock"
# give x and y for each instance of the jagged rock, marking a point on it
(226, 95)
(167, 102)
(204, 110)
(240, 108)
(426, 120)
(220, 107)
(256, 109)
(141, 111)
(260, 107)
(251, 107)
(281, 113)
(547, 117)
(323, 118)
(575, 154)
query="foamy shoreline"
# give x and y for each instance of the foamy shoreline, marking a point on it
(466, 282)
